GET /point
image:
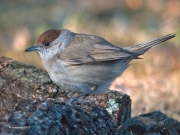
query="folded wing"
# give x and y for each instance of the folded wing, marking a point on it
(94, 50)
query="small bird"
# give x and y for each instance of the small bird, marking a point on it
(85, 63)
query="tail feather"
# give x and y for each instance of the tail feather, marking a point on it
(142, 48)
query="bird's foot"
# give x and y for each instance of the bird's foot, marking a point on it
(70, 101)
(75, 99)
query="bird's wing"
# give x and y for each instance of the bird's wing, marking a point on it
(93, 50)
(87, 49)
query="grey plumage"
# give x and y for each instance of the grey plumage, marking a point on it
(79, 62)
(93, 49)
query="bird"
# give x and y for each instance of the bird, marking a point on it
(85, 63)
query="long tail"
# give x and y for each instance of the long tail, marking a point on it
(142, 48)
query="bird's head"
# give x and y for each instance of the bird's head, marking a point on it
(51, 42)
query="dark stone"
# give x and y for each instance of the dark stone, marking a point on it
(57, 118)
(154, 123)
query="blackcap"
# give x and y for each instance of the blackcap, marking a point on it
(85, 63)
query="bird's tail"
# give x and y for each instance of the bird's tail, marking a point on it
(142, 48)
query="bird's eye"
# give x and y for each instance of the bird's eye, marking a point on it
(47, 43)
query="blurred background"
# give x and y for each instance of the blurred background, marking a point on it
(153, 82)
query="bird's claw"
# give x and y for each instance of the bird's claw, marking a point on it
(70, 101)
(76, 101)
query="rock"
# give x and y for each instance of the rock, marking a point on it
(57, 118)
(154, 123)
(29, 104)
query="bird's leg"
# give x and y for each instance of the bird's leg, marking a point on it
(80, 95)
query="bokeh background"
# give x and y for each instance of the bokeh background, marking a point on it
(153, 82)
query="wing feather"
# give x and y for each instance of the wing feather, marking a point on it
(93, 53)
(88, 49)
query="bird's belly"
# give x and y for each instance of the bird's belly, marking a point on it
(83, 77)
(67, 82)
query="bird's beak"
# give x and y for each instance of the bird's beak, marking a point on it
(33, 48)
